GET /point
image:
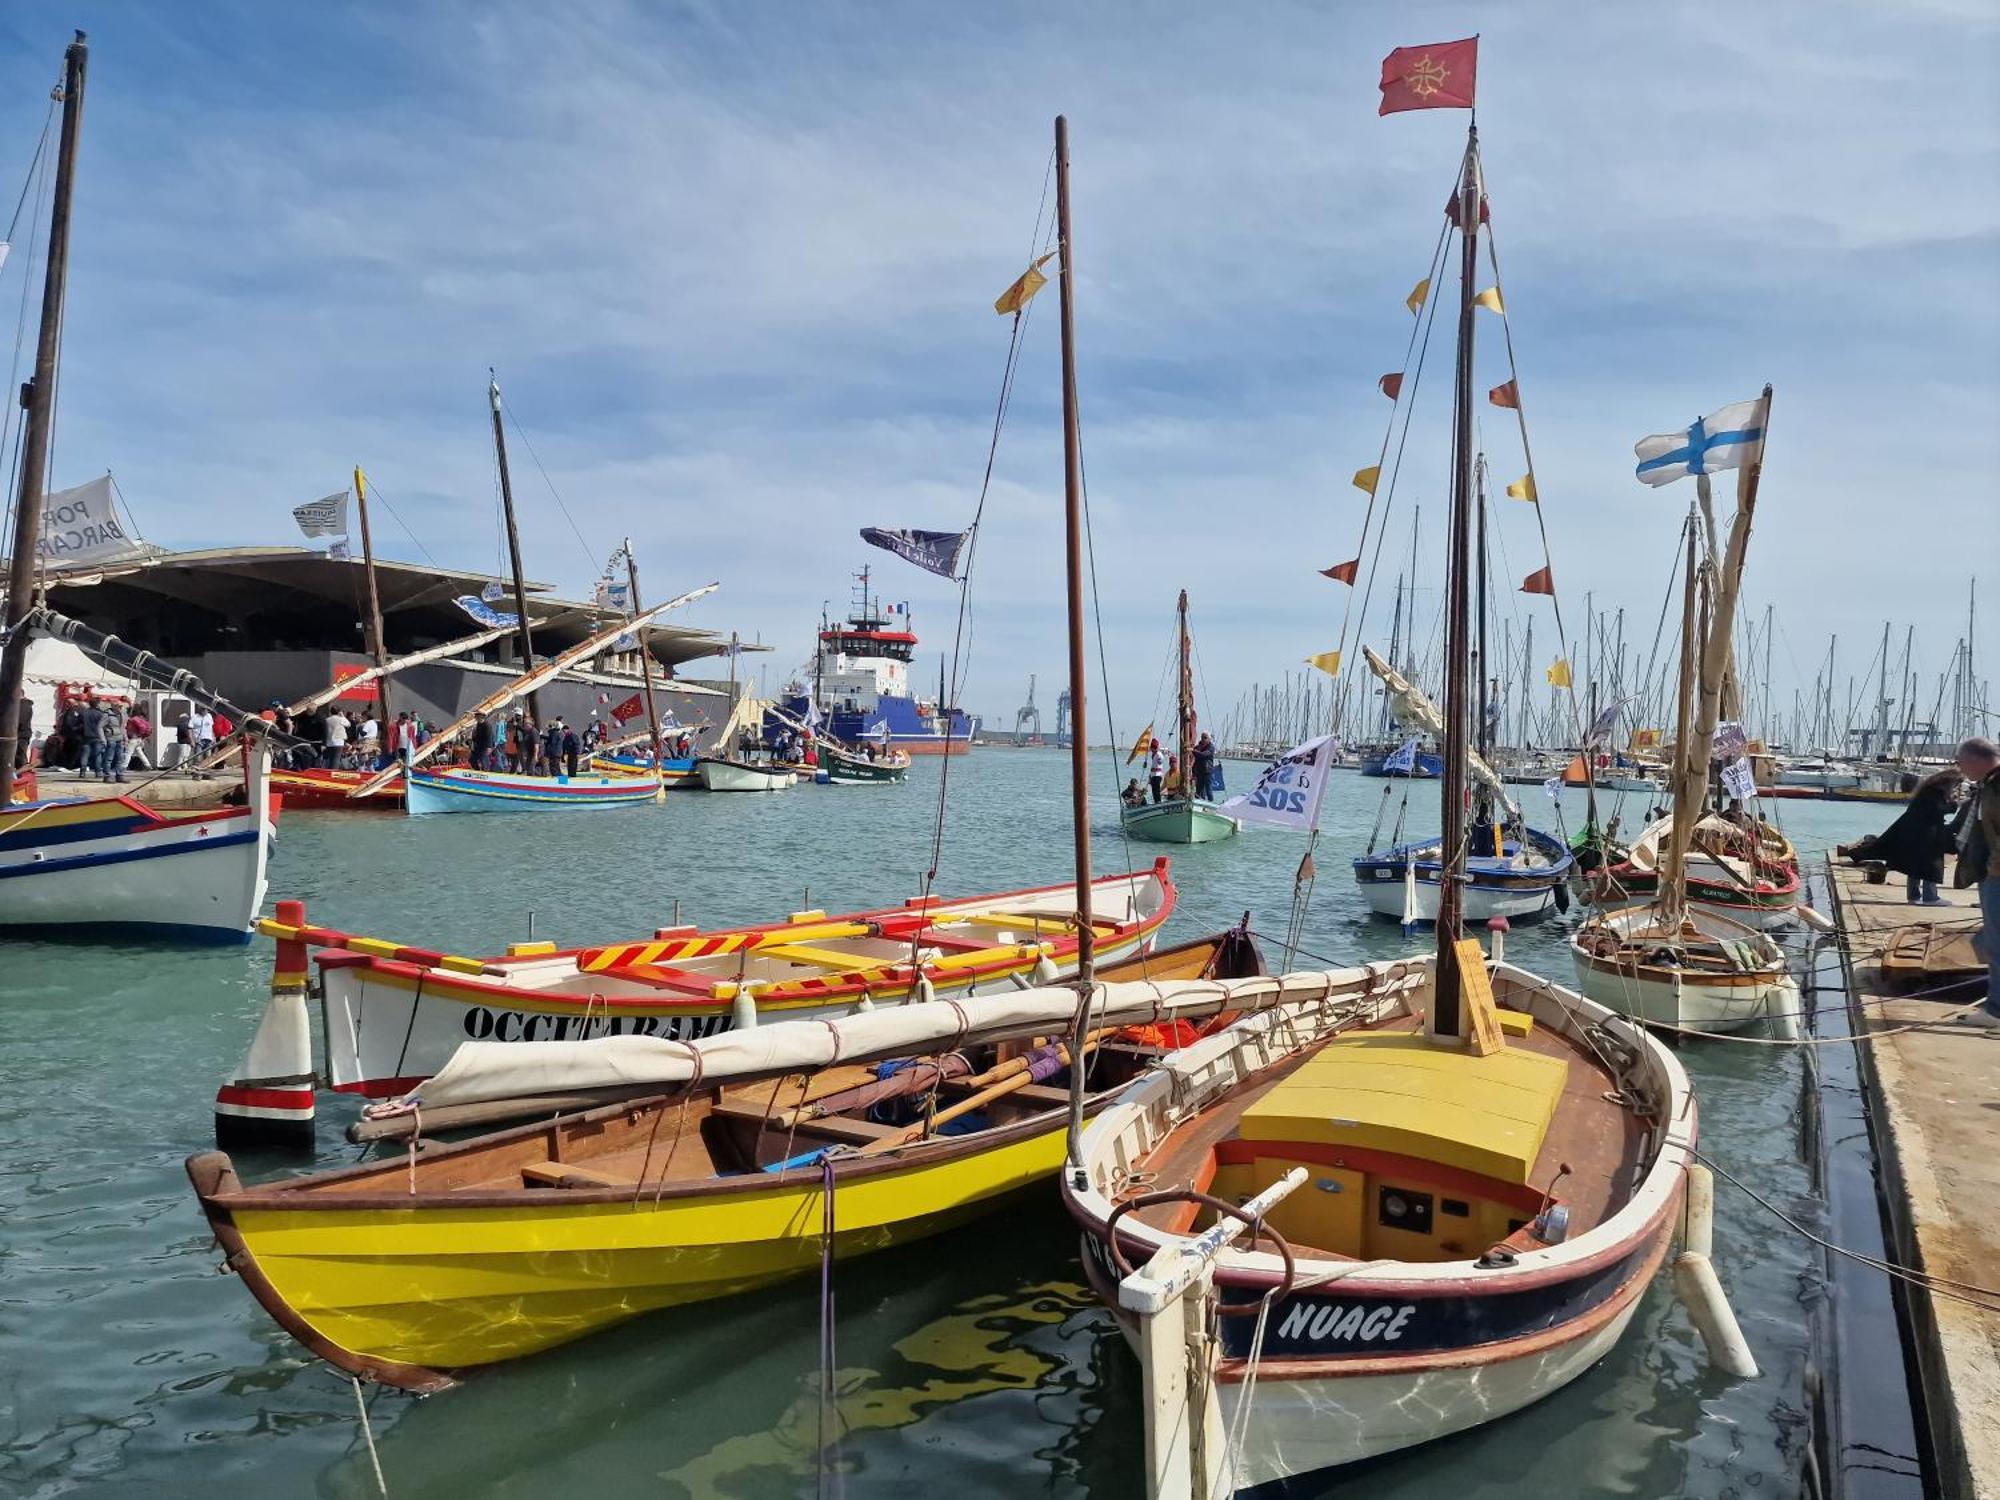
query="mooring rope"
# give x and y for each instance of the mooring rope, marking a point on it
(829, 1416)
(368, 1437)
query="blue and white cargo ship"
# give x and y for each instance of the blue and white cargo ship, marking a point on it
(860, 678)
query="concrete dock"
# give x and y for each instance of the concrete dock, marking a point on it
(161, 790)
(1934, 1103)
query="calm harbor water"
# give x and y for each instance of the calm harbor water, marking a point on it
(975, 1361)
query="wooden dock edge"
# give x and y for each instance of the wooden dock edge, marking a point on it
(1955, 1353)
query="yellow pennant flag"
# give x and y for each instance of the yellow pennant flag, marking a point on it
(1368, 478)
(1490, 300)
(1415, 301)
(1022, 292)
(1141, 745)
(1327, 661)
(1524, 489)
(1558, 675)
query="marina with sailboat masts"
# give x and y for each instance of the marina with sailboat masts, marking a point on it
(1616, 1118)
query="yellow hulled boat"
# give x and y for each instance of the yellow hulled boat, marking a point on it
(408, 1270)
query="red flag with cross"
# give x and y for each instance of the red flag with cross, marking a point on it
(1438, 76)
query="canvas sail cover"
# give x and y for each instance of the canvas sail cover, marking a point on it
(481, 1071)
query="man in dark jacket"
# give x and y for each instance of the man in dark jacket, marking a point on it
(1979, 863)
(572, 746)
(482, 742)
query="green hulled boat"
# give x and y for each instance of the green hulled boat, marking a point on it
(844, 767)
(1179, 818)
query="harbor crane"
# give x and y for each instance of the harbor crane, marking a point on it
(1062, 717)
(1028, 714)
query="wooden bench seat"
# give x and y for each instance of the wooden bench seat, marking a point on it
(562, 1174)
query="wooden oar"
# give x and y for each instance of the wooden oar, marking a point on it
(966, 1106)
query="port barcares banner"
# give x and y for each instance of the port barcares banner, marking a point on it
(80, 527)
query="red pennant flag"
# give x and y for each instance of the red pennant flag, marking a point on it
(1439, 76)
(1508, 395)
(1541, 581)
(1392, 385)
(631, 708)
(1342, 572)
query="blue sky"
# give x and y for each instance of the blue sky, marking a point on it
(734, 264)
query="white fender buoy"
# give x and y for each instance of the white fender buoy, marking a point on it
(743, 1008)
(1700, 1289)
(1787, 1021)
(1045, 970)
(923, 991)
(1819, 921)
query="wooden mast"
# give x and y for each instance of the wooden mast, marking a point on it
(1186, 691)
(1672, 899)
(1722, 616)
(39, 398)
(1079, 757)
(1446, 1019)
(375, 646)
(513, 546)
(645, 656)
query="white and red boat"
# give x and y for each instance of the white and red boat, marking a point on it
(392, 1014)
(120, 867)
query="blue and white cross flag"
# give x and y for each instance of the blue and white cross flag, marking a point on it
(484, 613)
(1727, 439)
(933, 551)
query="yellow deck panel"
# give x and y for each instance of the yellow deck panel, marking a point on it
(1403, 1094)
(825, 958)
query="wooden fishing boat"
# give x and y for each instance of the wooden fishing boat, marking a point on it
(323, 789)
(1749, 873)
(730, 1164)
(1180, 816)
(1707, 973)
(1508, 870)
(721, 774)
(675, 771)
(1478, 1229)
(458, 790)
(119, 866)
(1524, 882)
(840, 766)
(391, 1014)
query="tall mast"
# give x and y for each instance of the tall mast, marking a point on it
(1445, 1019)
(1079, 758)
(39, 398)
(513, 543)
(1672, 905)
(1527, 681)
(1879, 738)
(375, 646)
(1186, 689)
(645, 655)
(1395, 649)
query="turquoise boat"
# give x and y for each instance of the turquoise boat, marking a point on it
(462, 791)
(1181, 819)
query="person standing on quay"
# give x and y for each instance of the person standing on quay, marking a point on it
(1979, 863)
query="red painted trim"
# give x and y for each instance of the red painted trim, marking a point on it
(300, 1099)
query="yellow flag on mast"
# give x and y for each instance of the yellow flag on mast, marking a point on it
(1327, 661)
(1524, 489)
(1141, 745)
(1415, 301)
(1366, 479)
(1490, 300)
(1558, 673)
(1022, 292)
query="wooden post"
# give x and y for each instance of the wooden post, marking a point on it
(375, 646)
(39, 398)
(514, 547)
(645, 659)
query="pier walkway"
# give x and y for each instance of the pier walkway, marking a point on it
(1934, 1099)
